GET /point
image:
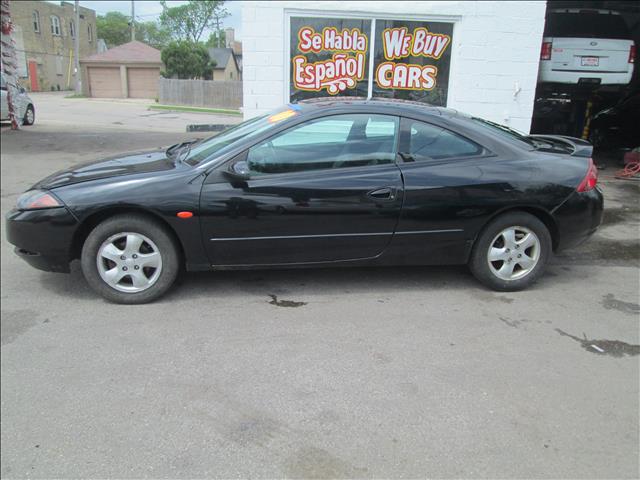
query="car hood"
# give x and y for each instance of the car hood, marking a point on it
(130, 164)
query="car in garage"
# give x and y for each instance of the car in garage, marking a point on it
(617, 126)
(325, 182)
(24, 104)
(586, 47)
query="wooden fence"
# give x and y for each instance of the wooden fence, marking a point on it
(201, 93)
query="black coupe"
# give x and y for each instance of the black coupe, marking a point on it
(326, 182)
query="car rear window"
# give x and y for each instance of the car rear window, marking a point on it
(431, 142)
(586, 25)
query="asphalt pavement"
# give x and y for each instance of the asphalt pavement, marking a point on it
(319, 373)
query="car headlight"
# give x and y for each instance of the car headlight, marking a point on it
(37, 199)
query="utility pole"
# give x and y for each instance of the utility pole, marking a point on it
(133, 21)
(217, 20)
(76, 50)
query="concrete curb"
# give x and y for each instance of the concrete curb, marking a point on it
(207, 127)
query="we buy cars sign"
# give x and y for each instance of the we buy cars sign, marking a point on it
(331, 56)
(398, 43)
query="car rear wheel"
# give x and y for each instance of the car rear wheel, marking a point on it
(130, 259)
(511, 252)
(29, 116)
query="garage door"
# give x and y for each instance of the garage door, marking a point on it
(143, 82)
(105, 82)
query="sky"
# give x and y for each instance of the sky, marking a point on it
(150, 10)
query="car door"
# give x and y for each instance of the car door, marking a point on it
(450, 188)
(326, 190)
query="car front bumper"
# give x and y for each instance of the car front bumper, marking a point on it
(43, 238)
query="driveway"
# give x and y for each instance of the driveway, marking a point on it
(53, 109)
(380, 372)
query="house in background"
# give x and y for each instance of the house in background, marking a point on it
(131, 70)
(227, 67)
(235, 45)
(44, 33)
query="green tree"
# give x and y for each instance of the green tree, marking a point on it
(186, 59)
(189, 21)
(113, 28)
(213, 39)
(153, 34)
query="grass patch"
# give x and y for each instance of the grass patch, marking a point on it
(75, 95)
(178, 108)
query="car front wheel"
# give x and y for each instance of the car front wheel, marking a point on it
(511, 252)
(130, 259)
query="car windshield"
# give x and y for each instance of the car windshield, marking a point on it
(219, 144)
(504, 131)
(586, 25)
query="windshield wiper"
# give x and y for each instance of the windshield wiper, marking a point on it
(173, 148)
(179, 147)
(184, 152)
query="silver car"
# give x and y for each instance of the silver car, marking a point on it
(24, 104)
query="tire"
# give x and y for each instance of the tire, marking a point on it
(29, 116)
(135, 244)
(495, 240)
(597, 138)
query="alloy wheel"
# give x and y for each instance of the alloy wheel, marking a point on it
(129, 262)
(513, 253)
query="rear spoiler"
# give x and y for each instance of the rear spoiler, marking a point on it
(578, 146)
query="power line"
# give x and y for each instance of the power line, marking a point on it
(150, 15)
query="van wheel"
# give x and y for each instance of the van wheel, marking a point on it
(130, 259)
(29, 116)
(511, 252)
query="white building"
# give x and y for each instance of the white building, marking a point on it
(487, 67)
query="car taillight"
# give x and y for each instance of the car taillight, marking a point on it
(545, 53)
(590, 180)
(632, 54)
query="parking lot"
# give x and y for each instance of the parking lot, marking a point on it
(323, 373)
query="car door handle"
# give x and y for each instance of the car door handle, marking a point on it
(386, 193)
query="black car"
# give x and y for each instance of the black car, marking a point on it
(617, 126)
(328, 182)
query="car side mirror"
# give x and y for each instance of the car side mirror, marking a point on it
(22, 90)
(239, 171)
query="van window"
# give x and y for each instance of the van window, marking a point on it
(586, 25)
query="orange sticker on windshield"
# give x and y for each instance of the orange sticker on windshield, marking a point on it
(278, 117)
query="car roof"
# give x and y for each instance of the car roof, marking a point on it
(390, 104)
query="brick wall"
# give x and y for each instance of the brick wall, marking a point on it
(50, 52)
(495, 51)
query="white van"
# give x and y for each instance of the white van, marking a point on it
(586, 47)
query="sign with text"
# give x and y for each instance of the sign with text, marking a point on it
(412, 60)
(330, 56)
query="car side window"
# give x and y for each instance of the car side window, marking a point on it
(425, 141)
(333, 130)
(337, 141)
